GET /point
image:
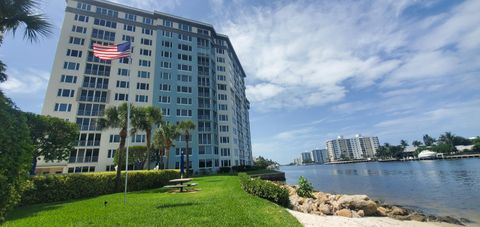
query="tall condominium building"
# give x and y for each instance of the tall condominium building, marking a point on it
(179, 65)
(320, 155)
(306, 157)
(359, 147)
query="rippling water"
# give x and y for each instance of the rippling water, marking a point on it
(442, 187)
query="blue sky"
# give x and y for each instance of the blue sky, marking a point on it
(318, 69)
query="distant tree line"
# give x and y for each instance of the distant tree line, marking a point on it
(263, 163)
(444, 144)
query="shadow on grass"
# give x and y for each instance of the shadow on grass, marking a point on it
(157, 190)
(161, 206)
(30, 211)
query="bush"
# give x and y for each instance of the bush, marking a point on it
(305, 188)
(54, 188)
(15, 154)
(265, 189)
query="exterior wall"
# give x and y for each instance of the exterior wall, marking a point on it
(320, 155)
(195, 51)
(354, 148)
(306, 157)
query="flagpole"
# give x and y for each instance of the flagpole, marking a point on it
(128, 122)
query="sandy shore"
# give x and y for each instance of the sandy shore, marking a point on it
(312, 220)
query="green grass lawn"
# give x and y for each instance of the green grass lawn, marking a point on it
(220, 201)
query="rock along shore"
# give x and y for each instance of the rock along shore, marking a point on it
(357, 206)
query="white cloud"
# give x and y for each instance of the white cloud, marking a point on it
(163, 5)
(25, 82)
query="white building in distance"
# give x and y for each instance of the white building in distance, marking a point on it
(359, 147)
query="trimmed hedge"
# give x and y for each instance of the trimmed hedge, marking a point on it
(265, 189)
(54, 188)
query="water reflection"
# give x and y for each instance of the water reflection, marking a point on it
(446, 187)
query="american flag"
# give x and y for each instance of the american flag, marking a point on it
(111, 52)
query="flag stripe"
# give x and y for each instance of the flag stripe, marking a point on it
(111, 52)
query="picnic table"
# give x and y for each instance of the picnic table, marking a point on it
(181, 184)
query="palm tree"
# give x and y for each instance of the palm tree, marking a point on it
(404, 143)
(167, 133)
(14, 13)
(428, 140)
(186, 127)
(416, 143)
(116, 117)
(448, 138)
(144, 119)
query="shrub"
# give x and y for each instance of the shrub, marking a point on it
(15, 154)
(264, 189)
(53, 188)
(305, 188)
(224, 169)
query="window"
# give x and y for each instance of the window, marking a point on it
(79, 29)
(84, 6)
(167, 23)
(87, 109)
(65, 93)
(74, 53)
(202, 31)
(184, 78)
(81, 18)
(138, 139)
(147, 31)
(225, 151)
(63, 107)
(131, 17)
(184, 37)
(167, 44)
(121, 97)
(166, 64)
(68, 79)
(166, 76)
(128, 38)
(222, 117)
(184, 67)
(184, 101)
(223, 128)
(76, 41)
(184, 113)
(220, 51)
(220, 59)
(221, 68)
(142, 86)
(224, 139)
(205, 139)
(122, 84)
(184, 47)
(222, 87)
(221, 77)
(184, 89)
(107, 12)
(99, 70)
(167, 34)
(111, 152)
(202, 43)
(114, 139)
(105, 23)
(71, 65)
(184, 57)
(222, 107)
(147, 42)
(143, 74)
(166, 111)
(141, 98)
(105, 35)
(145, 52)
(164, 99)
(222, 97)
(166, 54)
(122, 72)
(147, 20)
(145, 63)
(129, 27)
(165, 87)
(185, 27)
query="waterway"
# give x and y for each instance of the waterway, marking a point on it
(440, 187)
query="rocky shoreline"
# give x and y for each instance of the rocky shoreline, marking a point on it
(357, 206)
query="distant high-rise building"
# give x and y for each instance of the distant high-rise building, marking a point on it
(359, 147)
(320, 156)
(306, 157)
(182, 66)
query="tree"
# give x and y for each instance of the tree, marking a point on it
(15, 154)
(117, 117)
(167, 133)
(186, 128)
(442, 148)
(145, 118)
(15, 13)
(458, 140)
(416, 143)
(448, 139)
(263, 163)
(403, 143)
(137, 155)
(428, 140)
(53, 138)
